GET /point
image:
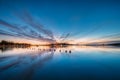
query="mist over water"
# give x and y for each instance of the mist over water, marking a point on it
(66, 63)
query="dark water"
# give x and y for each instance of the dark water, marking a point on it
(69, 63)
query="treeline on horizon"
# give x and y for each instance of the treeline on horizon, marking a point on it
(10, 43)
(4, 42)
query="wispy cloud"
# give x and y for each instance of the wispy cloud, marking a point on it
(25, 31)
(30, 20)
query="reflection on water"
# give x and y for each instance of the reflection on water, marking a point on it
(61, 63)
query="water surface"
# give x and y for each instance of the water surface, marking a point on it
(65, 63)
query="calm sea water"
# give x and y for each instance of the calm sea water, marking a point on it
(68, 63)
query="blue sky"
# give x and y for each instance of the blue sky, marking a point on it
(88, 18)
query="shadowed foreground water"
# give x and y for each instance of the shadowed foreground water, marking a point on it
(68, 63)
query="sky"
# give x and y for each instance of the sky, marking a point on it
(80, 20)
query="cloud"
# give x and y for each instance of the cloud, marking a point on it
(29, 19)
(24, 32)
